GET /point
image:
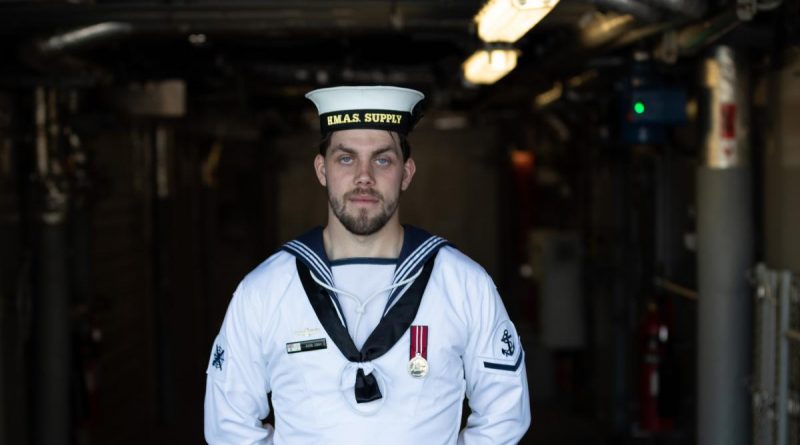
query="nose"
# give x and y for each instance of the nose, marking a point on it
(364, 175)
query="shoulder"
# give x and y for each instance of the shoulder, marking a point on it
(453, 260)
(260, 294)
(455, 265)
(269, 280)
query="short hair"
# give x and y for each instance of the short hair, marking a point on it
(405, 147)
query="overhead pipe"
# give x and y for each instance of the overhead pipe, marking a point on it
(651, 11)
(53, 54)
(82, 37)
(659, 16)
(702, 34)
(690, 8)
(635, 8)
(601, 29)
(684, 39)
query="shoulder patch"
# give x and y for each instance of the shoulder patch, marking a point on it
(506, 354)
(505, 341)
(219, 358)
(219, 355)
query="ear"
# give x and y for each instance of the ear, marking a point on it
(319, 169)
(409, 168)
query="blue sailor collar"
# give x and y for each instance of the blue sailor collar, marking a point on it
(418, 247)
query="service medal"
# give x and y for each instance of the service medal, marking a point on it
(418, 367)
(418, 363)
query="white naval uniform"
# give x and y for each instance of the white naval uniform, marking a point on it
(472, 349)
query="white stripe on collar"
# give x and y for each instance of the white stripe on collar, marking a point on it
(413, 263)
(419, 254)
(312, 260)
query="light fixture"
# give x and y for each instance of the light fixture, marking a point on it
(489, 65)
(197, 39)
(508, 20)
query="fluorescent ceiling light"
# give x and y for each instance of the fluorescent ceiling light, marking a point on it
(489, 65)
(508, 20)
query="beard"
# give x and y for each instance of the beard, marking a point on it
(361, 223)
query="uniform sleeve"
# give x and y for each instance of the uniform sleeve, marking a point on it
(236, 378)
(494, 365)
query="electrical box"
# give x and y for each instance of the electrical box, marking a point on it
(648, 113)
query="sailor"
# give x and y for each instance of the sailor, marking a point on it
(366, 330)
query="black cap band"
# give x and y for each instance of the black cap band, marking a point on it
(399, 121)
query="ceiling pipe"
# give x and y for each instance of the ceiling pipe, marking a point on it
(635, 8)
(81, 37)
(694, 37)
(600, 29)
(54, 53)
(651, 11)
(690, 8)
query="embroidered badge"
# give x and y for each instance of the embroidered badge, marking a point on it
(307, 332)
(219, 358)
(508, 351)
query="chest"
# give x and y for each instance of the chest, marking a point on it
(306, 366)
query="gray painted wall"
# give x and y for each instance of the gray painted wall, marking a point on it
(782, 170)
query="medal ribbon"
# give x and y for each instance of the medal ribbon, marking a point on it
(419, 341)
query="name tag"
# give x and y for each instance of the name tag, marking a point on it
(308, 345)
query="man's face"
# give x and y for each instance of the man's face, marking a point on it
(364, 173)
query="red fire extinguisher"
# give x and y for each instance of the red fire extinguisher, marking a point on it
(654, 335)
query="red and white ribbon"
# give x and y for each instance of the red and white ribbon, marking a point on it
(419, 341)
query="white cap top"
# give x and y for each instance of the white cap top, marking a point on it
(329, 100)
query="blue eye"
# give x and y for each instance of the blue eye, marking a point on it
(346, 159)
(383, 161)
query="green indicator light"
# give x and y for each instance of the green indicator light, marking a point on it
(638, 107)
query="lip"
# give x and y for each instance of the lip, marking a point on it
(363, 199)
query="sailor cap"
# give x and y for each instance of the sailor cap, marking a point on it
(374, 107)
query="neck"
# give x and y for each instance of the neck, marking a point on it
(341, 243)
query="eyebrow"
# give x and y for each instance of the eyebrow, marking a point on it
(351, 151)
